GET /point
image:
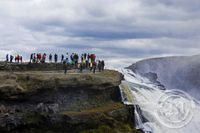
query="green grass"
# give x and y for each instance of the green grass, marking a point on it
(119, 128)
(101, 109)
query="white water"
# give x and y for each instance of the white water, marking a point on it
(150, 100)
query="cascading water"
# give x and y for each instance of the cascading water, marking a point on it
(165, 111)
(138, 117)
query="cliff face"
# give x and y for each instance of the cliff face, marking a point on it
(181, 72)
(20, 84)
(36, 101)
(31, 66)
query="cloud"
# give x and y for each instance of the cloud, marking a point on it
(118, 31)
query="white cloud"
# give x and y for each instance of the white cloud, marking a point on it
(119, 31)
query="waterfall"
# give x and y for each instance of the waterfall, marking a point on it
(165, 111)
(138, 117)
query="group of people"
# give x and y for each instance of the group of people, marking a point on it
(10, 58)
(87, 61)
(36, 58)
(92, 66)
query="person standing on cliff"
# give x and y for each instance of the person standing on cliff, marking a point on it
(99, 65)
(17, 58)
(31, 57)
(72, 58)
(88, 58)
(94, 65)
(11, 58)
(20, 59)
(50, 58)
(67, 58)
(65, 67)
(76, 57)
(55, 58)
(81, 67)
(82, 58)
(44, 57)
(39, 57)
(62, 58)
(103, 65)
(34, 57)
(7, 57)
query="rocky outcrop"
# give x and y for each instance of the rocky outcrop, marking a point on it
(22, 84)
(26, 66)
(38, 101)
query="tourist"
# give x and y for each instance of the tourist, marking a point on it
(34, 57)
(20, 59)
(72, 58)
(65, 67)
(82, 58)
(11, 58)
(67, 58)
(81, 67)
(90, 65)
(99, 65)
(76, 57)
(103, 65)
(94, 66)
(7, 57)
(92, 57)
(44, 58)
(86, 64)
(62, 58)
(50, 57)
(55, 58)
(88, 57)
(39, 57)
(17, 58)
(85, 56)
(31, 58)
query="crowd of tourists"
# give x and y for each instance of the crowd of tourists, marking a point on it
(38, 58)
(87, 61)
(84, 61)
(11, 58)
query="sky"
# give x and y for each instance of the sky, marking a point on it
(118, 31)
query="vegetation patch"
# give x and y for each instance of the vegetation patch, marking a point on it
(101, 109)
(119, 128)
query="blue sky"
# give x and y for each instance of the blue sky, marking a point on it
(119, 31)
